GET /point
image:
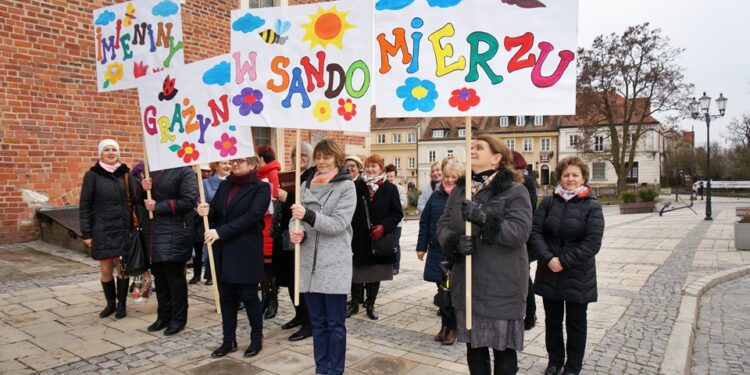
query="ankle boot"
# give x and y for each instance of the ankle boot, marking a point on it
(273, 306)
(197, 266)
(110, 294)
(372, 294)
(353, 308)
(122, 297)
(441, 335)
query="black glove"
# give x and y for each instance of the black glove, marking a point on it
(451, 243)
(466, 246)
(473, 213)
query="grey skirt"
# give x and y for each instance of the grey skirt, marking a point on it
(491, 333)
(372, 274)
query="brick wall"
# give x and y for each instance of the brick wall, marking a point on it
(51, 115)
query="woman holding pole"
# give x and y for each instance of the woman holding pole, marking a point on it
(325, 209)
(501, 222)
(236, 218)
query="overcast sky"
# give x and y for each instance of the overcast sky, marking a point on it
(715, 34)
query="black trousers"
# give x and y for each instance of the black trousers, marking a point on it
(197, 259)
(530, 302)
(229, 295)
(575, 327)
(506, 361)
(171, 291)
(300, 312)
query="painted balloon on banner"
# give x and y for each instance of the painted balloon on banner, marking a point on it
(136, 39)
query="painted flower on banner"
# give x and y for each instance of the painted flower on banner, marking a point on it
(249, 100)
(463, 99)
(417, 94)
(322, 111)
(113, 73)
(188, 152)
(347, 109)
(227, 146)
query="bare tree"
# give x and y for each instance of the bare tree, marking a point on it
(738, 131)
(622, 81)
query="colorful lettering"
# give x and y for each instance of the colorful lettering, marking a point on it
(276, 66)
(164, 130)
(139, 34)
(117, 37)
(442, 53)
(216, 112)
(106, 47)
(203, 122)
(311, 72)
(163, 37)
(416, 37)
(149, 121)
(525, 41)
(297, 86)
(386, 49)
(190, 125)
(332, 69)
(246, 67)
(536, 73)
(480, 59)
(357, 65)
(127, 54)
(172, 50)
(177, 118)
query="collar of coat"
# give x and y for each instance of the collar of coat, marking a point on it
(342, 176)
(121, 170)
(502, 181)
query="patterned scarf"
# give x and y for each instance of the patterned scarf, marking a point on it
(374, 183)
(581, 191)
(324, 178)
(480, 180)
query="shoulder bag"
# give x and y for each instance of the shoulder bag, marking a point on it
(134, 259)
(383, 247)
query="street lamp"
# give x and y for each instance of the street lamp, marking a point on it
(696, 107)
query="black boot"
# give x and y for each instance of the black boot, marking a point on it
(273, 306)
(372, 294)
(122, 297)
(110, 294)
(353, 308)
(197, 266)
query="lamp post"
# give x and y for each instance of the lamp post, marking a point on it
(700, 108)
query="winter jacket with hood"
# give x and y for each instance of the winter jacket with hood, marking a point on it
(427, 240)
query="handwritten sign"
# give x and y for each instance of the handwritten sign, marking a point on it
(305, 66)
(446, 58)
(185, 116)
(136, 39)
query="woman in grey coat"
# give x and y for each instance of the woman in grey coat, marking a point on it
(326, 210)
(500, 214)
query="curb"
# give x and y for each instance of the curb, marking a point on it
(680, 345)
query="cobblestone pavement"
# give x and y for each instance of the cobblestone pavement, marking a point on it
(722, 337)
(49, 322)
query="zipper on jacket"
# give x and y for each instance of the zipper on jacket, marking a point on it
(315, 252)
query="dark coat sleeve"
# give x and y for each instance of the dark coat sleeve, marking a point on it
(187, 195)
(538, 244)
(447, 237)
(86, 205)
(528, 181)
(395, 212)
(423, 240)
(592, 239)
(510, 224)
(253, 217)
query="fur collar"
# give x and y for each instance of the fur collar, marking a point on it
(502, 182)
(121, 170)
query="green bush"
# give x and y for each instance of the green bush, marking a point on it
(647, 195)
(628, 197)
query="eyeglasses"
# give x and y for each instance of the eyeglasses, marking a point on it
(237, 161)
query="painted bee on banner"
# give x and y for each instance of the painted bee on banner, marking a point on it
(275, 35)
(129, 15)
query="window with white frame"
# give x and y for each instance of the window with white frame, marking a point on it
(528, 145)
(598, 143)
(411, 163)
(545, 144)
(520, 121)
(260, 3)
(397, 163)
(411, 137)
(573, 140)
(538, 120)
(504, 121)
(449, 153)
(599, 171)
(511, 144)
(439, 133)
(431, 156)
(461, 133)
(396, 137)
(381, 138)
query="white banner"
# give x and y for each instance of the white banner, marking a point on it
(136, 39)
(445, 58)
(304, 66)
(185, 116)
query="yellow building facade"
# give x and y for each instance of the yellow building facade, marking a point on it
(396, 140)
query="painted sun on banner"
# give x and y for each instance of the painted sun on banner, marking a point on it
(304, 66)
(444, 58)
(136, 39)
(185, 116)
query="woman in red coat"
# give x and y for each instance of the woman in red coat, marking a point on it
(268, 171)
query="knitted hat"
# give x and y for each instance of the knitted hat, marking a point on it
(108, 142)
(355, 159)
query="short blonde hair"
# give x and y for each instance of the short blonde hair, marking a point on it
(451, 166)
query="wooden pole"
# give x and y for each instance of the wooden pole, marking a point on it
(297, 183)
(468, 224)
(209, 248)
(148, 175)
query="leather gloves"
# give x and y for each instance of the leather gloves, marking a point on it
(466, 246)
(473, 212)
(377, 232)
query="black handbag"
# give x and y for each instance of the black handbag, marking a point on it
(383, 247)
(134, 259)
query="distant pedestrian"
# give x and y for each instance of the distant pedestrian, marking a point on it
(566, 236)
(700, 189)
(435, 178)
(519, 163)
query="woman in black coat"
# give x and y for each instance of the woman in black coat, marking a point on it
(106, 219)
(283, 260)
(519, 163)
(168, 239)
(427, 244)
(236, 221)
(379, 198)
(566, 235)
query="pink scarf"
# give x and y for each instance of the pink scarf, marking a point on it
(109, 168)
(448, 189)
(324, 178)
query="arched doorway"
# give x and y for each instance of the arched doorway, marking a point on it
(544, 175)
